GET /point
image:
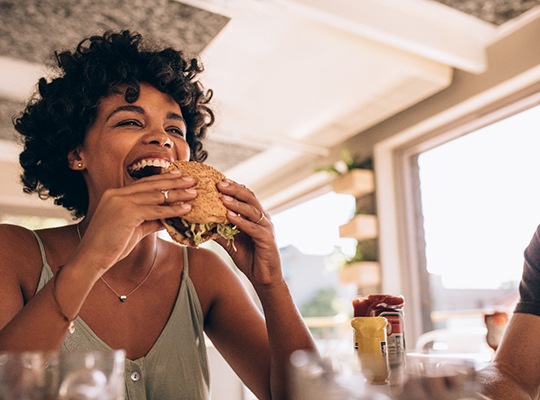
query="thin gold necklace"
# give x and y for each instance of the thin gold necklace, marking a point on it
(123, 297)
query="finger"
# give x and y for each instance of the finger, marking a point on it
(150, 227)
(158, 212)
(163, 181)
(241, 200)
(247, 211)
(171, 196)
(157, 192)
(242, 193)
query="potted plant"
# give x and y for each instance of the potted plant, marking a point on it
(354, 175)
(360, 271)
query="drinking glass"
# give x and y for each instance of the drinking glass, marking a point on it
(444, 377)
(94, 375)
(28, 375)
(332, 377)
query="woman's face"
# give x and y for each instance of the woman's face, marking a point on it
(127, 137)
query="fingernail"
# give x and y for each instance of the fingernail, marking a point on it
(224, 183)
(231, 213)
(227, 198)
(185, 206)
(191, 191)
(175, 171)
(188, 178)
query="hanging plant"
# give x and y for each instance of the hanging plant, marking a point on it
(346, 163)
(357, 257)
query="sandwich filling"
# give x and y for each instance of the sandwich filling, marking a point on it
(200, 233)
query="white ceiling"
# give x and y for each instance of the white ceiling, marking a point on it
(294, 79)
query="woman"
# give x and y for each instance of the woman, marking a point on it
(114, 103)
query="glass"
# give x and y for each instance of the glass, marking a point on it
(95, 375)
(431, 376)
(28, 376)
(335, 377)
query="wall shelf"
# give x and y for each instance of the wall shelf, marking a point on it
(361, 227)
(362, 274)
(357, 182)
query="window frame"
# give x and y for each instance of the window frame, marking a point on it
(401, 237)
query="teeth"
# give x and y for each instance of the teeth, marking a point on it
(149, 163)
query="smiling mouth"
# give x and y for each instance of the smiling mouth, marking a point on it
(147, 167)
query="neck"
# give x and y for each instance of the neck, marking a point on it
(137, 263)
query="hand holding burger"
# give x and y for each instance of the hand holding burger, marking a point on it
(208, 216)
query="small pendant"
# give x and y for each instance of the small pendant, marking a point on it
(71, 327)
(123, 298)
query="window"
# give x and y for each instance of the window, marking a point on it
(311, 252)
(476, 206)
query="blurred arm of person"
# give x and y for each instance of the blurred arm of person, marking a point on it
(514, 372)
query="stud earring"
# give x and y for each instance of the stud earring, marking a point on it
(79, 165)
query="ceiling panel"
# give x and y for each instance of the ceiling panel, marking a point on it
(496, 12)
(32, 29)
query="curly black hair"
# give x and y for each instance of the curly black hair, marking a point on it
(55, 121)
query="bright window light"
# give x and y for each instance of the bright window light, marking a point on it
(313, 226)
(481, 203)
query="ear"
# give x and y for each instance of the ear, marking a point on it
(75, 160)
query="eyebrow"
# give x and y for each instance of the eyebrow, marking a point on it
(132, 108)
(140, 110)
(176, 116)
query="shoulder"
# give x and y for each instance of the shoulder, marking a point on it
(213, 277)
(14, 241)
(21, 258)
(9, 230)
(205, 265)
(535, 240)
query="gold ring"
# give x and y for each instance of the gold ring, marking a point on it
(260, 219)
(165, 193)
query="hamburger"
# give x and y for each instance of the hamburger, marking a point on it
(208, 216)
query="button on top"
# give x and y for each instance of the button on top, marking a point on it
(135, 376)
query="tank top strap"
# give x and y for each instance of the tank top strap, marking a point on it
(186, 262)
(41, 248)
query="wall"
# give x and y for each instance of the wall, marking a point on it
(510, 61)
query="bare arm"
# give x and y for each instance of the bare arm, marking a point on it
(257, 256)
(257, 348)
(286, 333)
(41, 326)
(515, 370)
(122, 219)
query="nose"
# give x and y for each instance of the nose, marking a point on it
(160, 138)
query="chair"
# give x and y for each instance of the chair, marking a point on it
(467, 342)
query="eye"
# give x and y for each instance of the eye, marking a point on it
(129, 122)
(176, 131)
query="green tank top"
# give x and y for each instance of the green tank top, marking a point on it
(176, 367)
